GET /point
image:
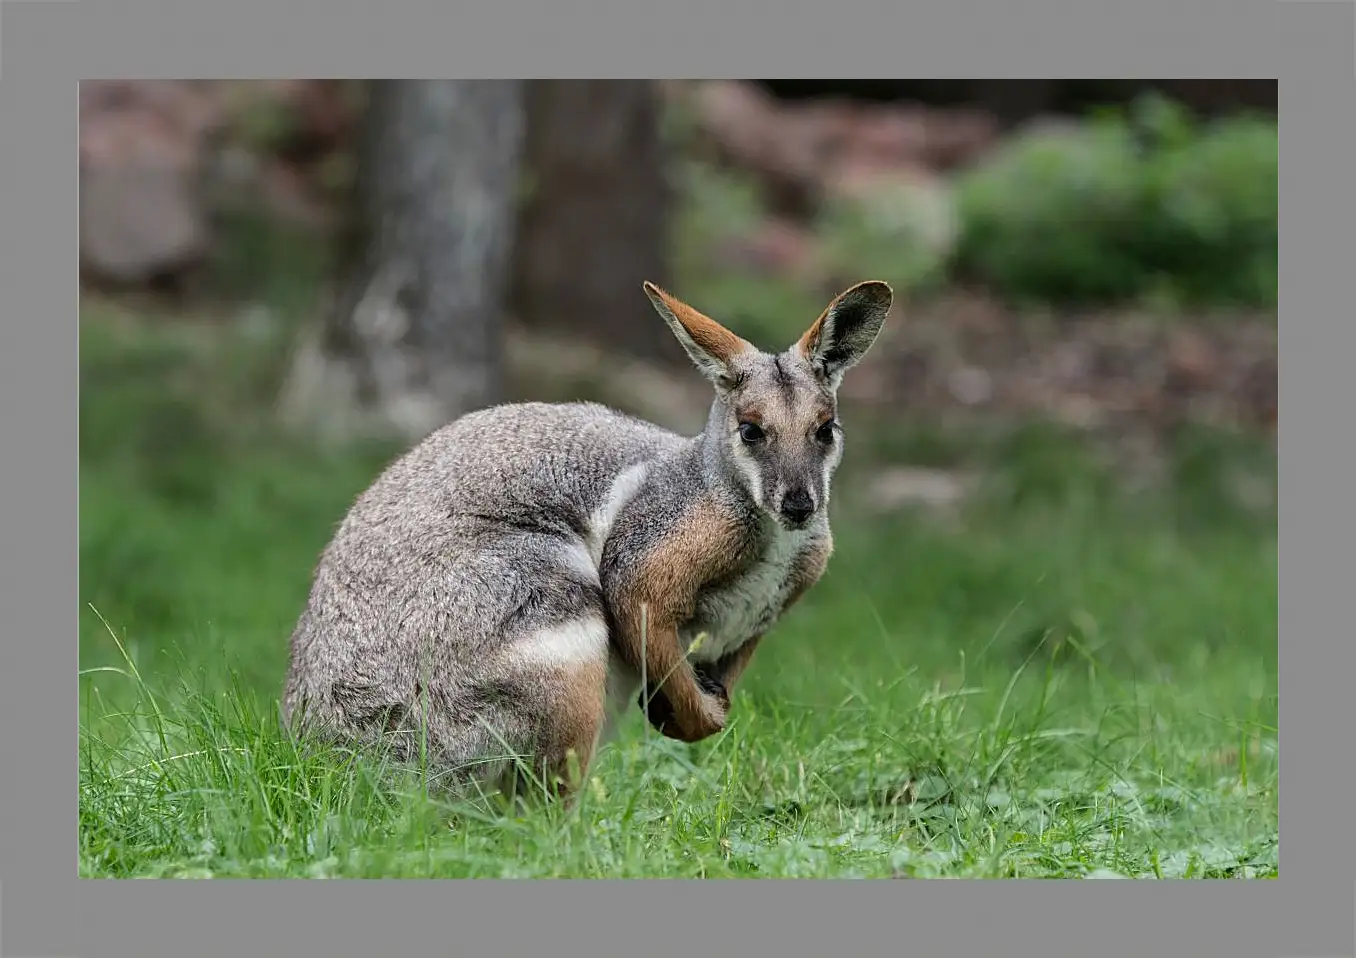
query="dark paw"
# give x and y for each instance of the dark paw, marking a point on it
(658, 711)
(712, 686)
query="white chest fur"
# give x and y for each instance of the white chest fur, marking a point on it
(746, 606)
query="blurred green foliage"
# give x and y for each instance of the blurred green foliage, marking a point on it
(1150, 204)
(904, 232)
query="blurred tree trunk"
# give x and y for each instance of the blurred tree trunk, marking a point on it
(413, 338)
(595, 222)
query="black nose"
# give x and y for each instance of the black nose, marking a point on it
(797, 506)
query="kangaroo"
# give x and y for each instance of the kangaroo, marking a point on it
(503, 592)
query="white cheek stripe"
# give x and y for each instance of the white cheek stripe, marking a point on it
(747, 468)
(750, 471)
(829, 466)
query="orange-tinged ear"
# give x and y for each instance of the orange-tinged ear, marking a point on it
(811, 337)
(846, 329)
(709, 344)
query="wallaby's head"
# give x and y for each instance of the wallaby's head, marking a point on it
(774, 421)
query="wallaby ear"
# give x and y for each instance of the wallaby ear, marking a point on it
(846, 330)
(709, 344)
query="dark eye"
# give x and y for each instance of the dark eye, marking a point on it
(750, 433)
(826, 432)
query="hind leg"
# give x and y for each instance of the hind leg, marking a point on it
(493, 659)
(527, 723)
(572, 735)
(560, 679)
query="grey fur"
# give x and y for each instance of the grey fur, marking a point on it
(489, 533)
(460, 547)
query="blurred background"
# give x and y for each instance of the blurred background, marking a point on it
(1063, 445)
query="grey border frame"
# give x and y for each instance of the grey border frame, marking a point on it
(45, 47)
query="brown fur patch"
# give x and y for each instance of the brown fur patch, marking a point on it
(811, 337)
(729, 669)
(706, 332)
(577, 716)
(708, 544)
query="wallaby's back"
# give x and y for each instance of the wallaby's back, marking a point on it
(460, 598)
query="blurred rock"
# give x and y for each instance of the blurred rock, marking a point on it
(1191, 362)
(737, 115)
(141, 161)
(957, 138)
(193, 108)
(888, 136)
(749, 130)
(1259, 391)
(800, 151)
(1080, 411)
(970, 385)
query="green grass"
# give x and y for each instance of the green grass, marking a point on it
(1061, 680)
